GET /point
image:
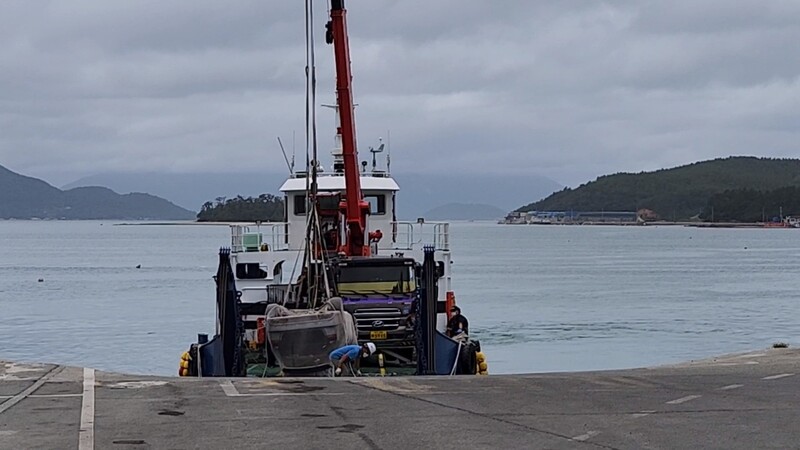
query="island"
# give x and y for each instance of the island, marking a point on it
(25, 198)
(739, 189)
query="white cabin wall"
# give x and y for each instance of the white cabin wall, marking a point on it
(297, 223)
(382, 222)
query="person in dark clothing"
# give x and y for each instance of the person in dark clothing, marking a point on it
(301, 287)
(457, 324)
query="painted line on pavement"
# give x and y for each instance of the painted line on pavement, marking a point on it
(4, 397)
(642, 414)
(730, 386)
(678, 401)
(6, 405)
(86, 433)
(586, 436)
(54, 395)
(775, 377)
(228, 388)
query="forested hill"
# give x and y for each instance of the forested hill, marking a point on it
(682, 192)
(24, 197)
(265, 208)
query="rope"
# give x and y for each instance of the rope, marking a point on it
(455, 364)
(310, 116)
(317, 225)
(313, 80)
(313, 226)
(309, 105)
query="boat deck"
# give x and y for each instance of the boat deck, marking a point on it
(738, 401)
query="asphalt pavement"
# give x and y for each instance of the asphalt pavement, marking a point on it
(743, 401)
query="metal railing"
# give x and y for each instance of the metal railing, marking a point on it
(404, 236)
(267, 237)
(411, 235)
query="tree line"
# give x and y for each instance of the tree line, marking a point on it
(750, 205)
(264, 208)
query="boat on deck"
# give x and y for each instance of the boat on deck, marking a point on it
(340, 269)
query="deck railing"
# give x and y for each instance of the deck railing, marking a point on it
(262, 237)
(404, 236)
(413, 235)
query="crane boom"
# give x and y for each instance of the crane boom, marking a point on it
(354, 208)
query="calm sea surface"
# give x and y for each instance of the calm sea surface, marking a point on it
(539, 298)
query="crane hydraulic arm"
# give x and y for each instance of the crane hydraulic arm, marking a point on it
(354, 207)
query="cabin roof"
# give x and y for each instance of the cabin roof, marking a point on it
(336, 183)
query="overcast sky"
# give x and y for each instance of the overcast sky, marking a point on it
(566, 89)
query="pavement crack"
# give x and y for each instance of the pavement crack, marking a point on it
(338, 411)
(350, 428)
(370, 443)
(486, 416)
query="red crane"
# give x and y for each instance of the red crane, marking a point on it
(353, 207)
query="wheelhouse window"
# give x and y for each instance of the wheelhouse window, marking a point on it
(299, 205)
(327, 202)
(250, 271)
(377, 204)
(376, 280)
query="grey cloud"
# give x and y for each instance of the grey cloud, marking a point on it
(571, 89)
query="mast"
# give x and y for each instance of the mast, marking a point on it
(354, 208)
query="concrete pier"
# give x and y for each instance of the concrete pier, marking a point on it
(733, 402)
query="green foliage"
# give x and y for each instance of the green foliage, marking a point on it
(265, 208)
(679, 193)
(750, 205)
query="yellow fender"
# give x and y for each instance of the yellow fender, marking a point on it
(183, 366)
(483, 367)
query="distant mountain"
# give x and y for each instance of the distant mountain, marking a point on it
(190, 191)
(419, 193)
(679, 193)
(23, 197)
(465, 211)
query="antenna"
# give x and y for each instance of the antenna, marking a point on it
(293, 141)
(388, 152)
(285, 158)
(375, 152)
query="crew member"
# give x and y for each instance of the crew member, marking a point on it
(301, 286)
(458, 325)
(350, 354)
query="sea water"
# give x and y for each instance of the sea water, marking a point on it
(539, 298)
